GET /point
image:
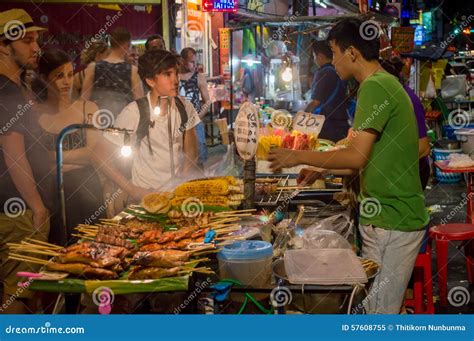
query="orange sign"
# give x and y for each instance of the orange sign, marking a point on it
(224, 48)
(195, 20)
(403, 39)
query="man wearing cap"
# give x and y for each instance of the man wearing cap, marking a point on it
(23, 161)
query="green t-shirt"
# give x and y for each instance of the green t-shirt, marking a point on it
(391, 195)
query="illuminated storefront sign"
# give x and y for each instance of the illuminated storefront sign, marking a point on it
(219, 5)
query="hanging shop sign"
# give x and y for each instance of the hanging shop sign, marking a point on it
(195, 18)
(246, 130)
(403, 39)
(224, 48)
(219, 5)
(194, 32)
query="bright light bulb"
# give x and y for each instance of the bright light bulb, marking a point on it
(126, 151)
(157, 111)
(287, 75)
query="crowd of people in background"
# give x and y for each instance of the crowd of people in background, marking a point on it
(159, 97)
(160, 100)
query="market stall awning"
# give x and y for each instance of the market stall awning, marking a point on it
(429, 51)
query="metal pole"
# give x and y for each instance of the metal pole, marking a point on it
(170, 134)
(60, 179)
(249, 183)
(231, 51)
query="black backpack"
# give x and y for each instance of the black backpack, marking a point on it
(145, 122)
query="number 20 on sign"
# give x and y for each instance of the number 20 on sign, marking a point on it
(308, 123)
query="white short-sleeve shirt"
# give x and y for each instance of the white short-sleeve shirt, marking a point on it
(154, 171)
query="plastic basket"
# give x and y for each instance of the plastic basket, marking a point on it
(443, 154)
(448, 131)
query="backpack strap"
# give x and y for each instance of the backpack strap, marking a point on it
(182, 113)
(144, 123)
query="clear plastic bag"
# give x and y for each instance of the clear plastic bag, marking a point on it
(324, 239)
(339, 223)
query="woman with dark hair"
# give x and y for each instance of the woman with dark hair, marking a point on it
(57, 110)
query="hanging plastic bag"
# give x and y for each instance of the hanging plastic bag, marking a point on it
(324, 239)
(430, 89)
(339, 223)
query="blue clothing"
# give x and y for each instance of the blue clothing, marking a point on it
(330, 91)
(201, 134)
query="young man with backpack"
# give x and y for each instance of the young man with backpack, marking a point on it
(165, 143)
(384, 150)
(328, 95)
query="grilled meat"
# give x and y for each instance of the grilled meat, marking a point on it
(169, 236)
(179, 245)
(161, 258)
(110, 239)
(97, 249)
(153, 273)
(89, 258)
(82, 270)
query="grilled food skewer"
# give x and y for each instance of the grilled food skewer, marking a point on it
(43, 243)
(82, 237)
(236, 211)
(39, 252)
(21, 257)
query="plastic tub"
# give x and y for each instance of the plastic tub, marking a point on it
(443, 154)
(466, 138)
(247, 261)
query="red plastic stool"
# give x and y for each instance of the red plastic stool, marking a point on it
(422, 284)
(443, 234)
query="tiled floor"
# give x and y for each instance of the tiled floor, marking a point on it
(449, 197)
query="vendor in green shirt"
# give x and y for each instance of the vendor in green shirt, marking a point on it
(384, 149)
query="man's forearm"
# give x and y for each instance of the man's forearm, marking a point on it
(80, 156)
(334, 160)
(312, 105)
(204, 109)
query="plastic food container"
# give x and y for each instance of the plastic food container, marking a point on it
(466, 137)
(324, 267)
(247, 261)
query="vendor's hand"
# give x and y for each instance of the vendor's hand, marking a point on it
(282, 158)
(308, 176)
(137, 193)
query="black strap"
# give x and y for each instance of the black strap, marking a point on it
(144, 123)
(84, 121)
(182, 112)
